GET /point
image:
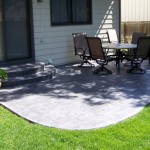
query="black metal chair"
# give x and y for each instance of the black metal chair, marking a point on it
(81, 48)
(135, 37)
(112, 36)
(97, 53)
(139, 55)
(134, 40)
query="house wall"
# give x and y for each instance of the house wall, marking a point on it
(135, 10)
(56, 43)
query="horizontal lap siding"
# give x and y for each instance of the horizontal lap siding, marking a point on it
(135, 10)
(56, 43)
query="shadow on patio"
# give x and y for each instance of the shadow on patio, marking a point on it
(78, 99)
(71, 80)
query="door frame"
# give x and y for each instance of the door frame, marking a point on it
(31, 36)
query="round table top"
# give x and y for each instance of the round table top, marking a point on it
(119, 46)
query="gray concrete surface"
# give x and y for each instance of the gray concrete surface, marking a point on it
(77, 99)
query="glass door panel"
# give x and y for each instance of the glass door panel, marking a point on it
(16, 24)
(1, 34)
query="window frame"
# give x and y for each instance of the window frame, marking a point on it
(70, 11)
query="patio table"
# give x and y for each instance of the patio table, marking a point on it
(118, 47)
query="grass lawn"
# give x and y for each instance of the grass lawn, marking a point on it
(18, 134)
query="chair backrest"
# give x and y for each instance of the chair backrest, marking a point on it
(112, 36)
(80, 43)
(95, 48)
(136, 35)
(143, 47)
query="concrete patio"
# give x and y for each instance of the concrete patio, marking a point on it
(77, 99)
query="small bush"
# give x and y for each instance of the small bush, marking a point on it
(3, 74)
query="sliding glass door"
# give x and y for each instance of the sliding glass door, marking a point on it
(16, 25)
(1, 35)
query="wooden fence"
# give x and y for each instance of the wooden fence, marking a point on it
(127, 28)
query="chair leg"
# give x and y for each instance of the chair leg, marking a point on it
(91, 65)
(85, 61)
(81, 64)
(102, 69)
(136, 68)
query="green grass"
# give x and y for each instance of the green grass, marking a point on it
(18, 134)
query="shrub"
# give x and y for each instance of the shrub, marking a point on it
(3, 74)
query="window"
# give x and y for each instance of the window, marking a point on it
(70, 12)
